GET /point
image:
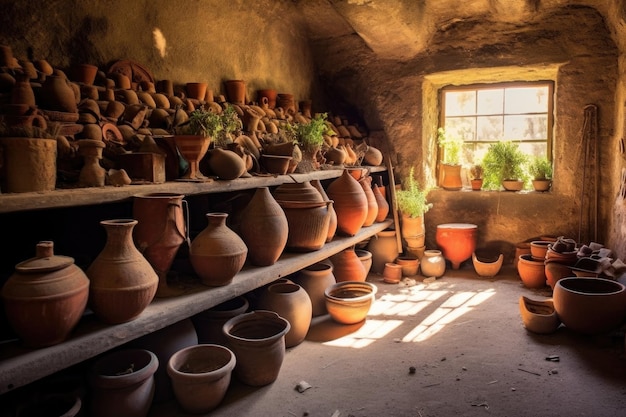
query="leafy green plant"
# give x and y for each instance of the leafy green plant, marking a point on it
(452, 147)
(411, 199)
(230, 119)
(202, 122)
(504, 161)
(311, 135)
(540, 168)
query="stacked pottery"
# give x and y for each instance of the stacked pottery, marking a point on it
(384, 248)
(347, 266)
(291, 302)
(350, 203)
(122, 281)
(315, 279)
(45, 298)
(560, 256)
(264, 228)
(217, 254)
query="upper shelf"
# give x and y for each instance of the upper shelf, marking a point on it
(89, 196)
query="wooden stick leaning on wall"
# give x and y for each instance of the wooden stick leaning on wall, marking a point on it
(394, 205)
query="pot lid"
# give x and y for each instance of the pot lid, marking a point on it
(45, 260)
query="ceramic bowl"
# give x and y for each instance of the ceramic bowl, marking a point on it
(487, 267)
(538, 316)
(538, 248)
(590, 305)
(348, 302)
(275, 164)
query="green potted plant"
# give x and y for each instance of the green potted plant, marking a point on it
(310, 137)
(412, 204)
(451, 148)
(476, 176)
(230, 123)
(193, 138)
(540, 169)
(504, 165)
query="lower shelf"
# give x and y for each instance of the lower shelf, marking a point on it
(20, 366)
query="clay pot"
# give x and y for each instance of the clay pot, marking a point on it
(258, 341)
(590, 305)
(123, 283)
(192, 148)
(91, 174)
(122, 383)
(200, 376)
(409, 264)
(383, 205)
(315, 279)
(412, 230)
(538, 316)
(217, 254)
(84, 73)
(451, 179)
(236, 91)
(332, 226)
(350, 203)
(290, 301)
(226, 164)
(521, 248)
(538, 249)
(392, 273)
(457, 242)
(196, 91)
(347, 266)
(384, 248)
(160, 232)
(45, 298)
(30, 164)
(556, 271)
(308, 224)
(349, 302)
(566, 258)
(366, 259)
(372, 204)
(287, 102)
(298, 191)
(276, 164)
(269, 94)
(22, 92)
(373, 156)
(209, 323)
(477, 184)
(57, 94)
(487, 267)
(264, 228)
(433, 264)
(531, 271)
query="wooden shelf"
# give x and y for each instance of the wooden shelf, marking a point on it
(89, 196)
(20, 366)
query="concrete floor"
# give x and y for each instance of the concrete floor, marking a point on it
(472, 357)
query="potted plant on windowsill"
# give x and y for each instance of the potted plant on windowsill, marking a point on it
(412, 204)
(451, 147)
(504, 165)
(476, 177)
(540, 168)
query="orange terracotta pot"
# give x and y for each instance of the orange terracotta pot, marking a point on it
(457, 241)
(531, 271)
(350, 203)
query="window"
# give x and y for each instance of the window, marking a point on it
(482, 114)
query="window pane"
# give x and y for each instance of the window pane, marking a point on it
(460, 103)
(526, 100)
(490, 101)
(489, 128)
(463, 127)
(526, 127)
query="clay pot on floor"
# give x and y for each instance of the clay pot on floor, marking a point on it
(122, 383)
(392, 274)
(531, 271)
(217, 254)
(290, 301)
(200, 376)
(258, 341)
(556, 271)
(45, 298)
(347, 266)
(409, 264)
(538, 316)
(315, 279)
(349, 302)
(384, 248)
(122, 281)
(433, 264)
(538, 249)
(487, 266)
(209, 323)
(457, 242)
(365, 257)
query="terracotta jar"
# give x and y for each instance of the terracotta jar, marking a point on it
(45, 298)
(384, 248)
(433, 264)
(269, 94)
(226, 164)
(236, 91)
(350, 203)
(332, 226)
(209, 323)
(372, 204)
(373, 156)
(91, 174)
(217, 254)
(22, 92)
(383, 205)
(264, 228)
(196, 91)
(57, 94)
(347, 266)
(457, 242)
(291, 302)
(160, 231)
(308, 224)
(122, 281)
(365, 257)
(201, 376)
(258, 340)
(451, 179)
(392, 273)
(30, 164)
(315, 279)
(521, 248)
(555, 271)
(122, 383)
(409, 264)
(531, 271)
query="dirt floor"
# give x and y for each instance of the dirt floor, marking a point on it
(453, 347)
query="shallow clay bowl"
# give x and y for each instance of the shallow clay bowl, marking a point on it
(348, 302)
(538, 316)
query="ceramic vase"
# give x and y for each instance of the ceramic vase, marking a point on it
(217, 254)
(160, 231)
(209, 323)
(457, 242)
(332, 226)
(45, 298)
(226, 164)
(372, 204)
(383, 205)
(292, 302)
(384, 248)
(258, 340)
(347, 266)
(308, 224)
(30, 164)
(264, 228)
(192, 148)
(315, 279)
(122, 383)
(350, 203)
(122, 281)
(201, 376)
(91, 174)
(57, 94)
(433, 264)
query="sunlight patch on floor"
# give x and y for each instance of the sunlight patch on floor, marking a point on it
(371, 331)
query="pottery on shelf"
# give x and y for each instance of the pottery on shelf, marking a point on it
(383, 205)
(350, 203)
(226, 164)
(349, 302)
(209, 323)
(433, 264)
(590, 305)
(217, 254)
(531, 271)
(308, 224)
(347, 266)
(122, 281)
(91, 174)
(332, 225)
(372, 204)
(45, 298)
(487, 267)
(192, 148)
(201, 376)
(457, 242)
(538, 316)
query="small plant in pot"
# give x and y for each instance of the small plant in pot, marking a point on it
(504, 165)
(412, 204)
(310, 137)
(451, 147)
(476, 176)
(540, 168)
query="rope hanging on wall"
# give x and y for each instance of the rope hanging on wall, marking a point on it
(588, 221)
